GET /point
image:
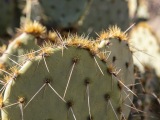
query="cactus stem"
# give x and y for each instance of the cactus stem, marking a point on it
(69, 79)
(98, 65)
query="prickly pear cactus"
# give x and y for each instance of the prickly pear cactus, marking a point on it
(104, 13)
(26, 41)
(63, 13)
(116, 45)
(146, 47)
(70, 82)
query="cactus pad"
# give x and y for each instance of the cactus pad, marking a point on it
(58, 84)
(104, 13)
(116, 44)
(63, 13)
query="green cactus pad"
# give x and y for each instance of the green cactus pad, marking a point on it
(82, 86)
(25, 42)
(104, 13)
(29, 39)
(116, 45)
(63, 13)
